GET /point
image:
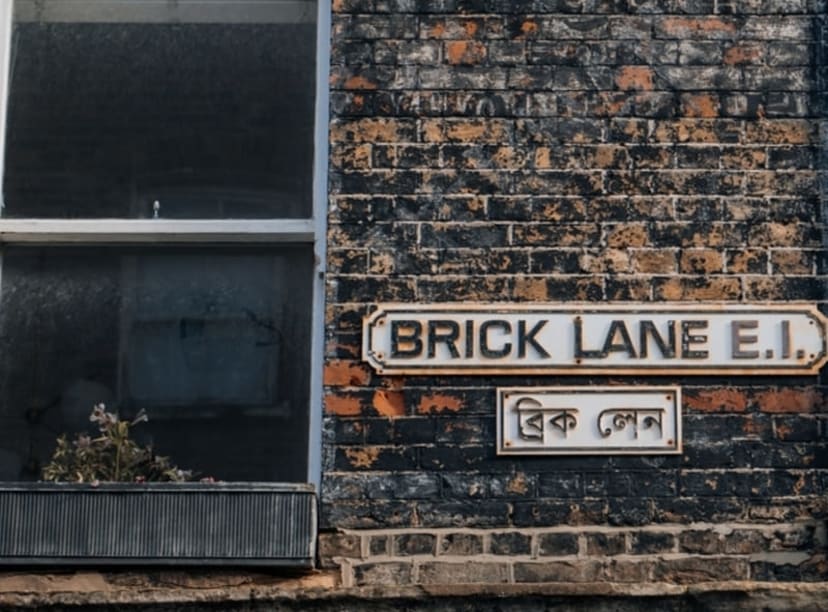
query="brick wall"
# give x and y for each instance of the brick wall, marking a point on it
(559, 151)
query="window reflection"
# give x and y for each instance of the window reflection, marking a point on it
(212, 343)
(213, 120)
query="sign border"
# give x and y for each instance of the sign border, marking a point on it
(579, 308)
(583, 390)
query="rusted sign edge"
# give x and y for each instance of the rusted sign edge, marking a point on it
(580, 308)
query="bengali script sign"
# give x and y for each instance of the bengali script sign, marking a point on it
(613, 339)
(588, 420)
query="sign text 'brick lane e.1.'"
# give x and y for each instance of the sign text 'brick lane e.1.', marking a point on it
(617, 339)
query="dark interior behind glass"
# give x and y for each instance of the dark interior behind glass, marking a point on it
(212, 120)
(212, 342)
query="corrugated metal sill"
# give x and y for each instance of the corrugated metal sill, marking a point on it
(261, 524)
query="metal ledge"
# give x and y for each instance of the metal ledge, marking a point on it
(258, 524)
(121, 231)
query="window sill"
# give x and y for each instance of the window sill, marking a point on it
(212, 231)
(242, 524)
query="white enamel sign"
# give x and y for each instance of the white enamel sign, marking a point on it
(588, 420)
(612, 339)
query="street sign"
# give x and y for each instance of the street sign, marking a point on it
(588, 420)
(638, 339)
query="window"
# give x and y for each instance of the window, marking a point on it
(161, 232)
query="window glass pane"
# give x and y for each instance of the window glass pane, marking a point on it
(212, 343)
(116, 104)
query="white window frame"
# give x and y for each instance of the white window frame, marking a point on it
(308, 231)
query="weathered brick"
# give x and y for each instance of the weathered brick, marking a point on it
(654, 261)
(631, 235)
(375, 458)
(780, 131)
(796, 428)
(701, 261)
(457, 27)
(466, 130)
(415, 544)
(477, 513)
(470, 288)
(688, 510)
(699, 52)
(532, 289)
(584, 570)
(469, 572)
(382, 574)
(812, 570)
(510, 543)
(466, 431)
(743, 542)
(557, 544)
(747, 261)
(537, 234)
(462, 485)
(700, 541)
(777, 288)
(345, 373)
(734, 158)
(630, 289)
(638, 571)
(697, 289)
(343, 405)
(561, 484)
(630, 511)
(715, 483)
(494, 151)
(463, 544)
(698, 28)
(715, 400)
(701, 569)
(378, 545)
(777, 234)
(651, 542)
(362, 515)
(789, 400)
(605, 544)
(339, 545)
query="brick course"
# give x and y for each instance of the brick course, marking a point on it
(573, 151)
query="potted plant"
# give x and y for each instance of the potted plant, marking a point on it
(107, 499)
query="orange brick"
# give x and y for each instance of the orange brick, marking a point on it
(701, 261)
(715, 400)
(742, 54)
(342, 373)
(631, 235)
(343, 405)
(654, 261)
(359, 82)
(389, 403)
(700, 105)
(699, 289)
(351, 157)
(439, 402)
(465, 52)
(790, 400)
(780, 131)
(370, 130)
(362, 457)
(634, 77)
(791, 262)
(531, 289)
(691, 27)
(464, 130)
